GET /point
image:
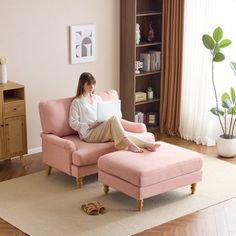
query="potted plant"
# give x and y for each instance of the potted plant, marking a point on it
(226, 111)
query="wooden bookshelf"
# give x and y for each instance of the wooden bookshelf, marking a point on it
(140, 12)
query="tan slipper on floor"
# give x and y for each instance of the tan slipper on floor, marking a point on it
(100, 207)
(90, 209)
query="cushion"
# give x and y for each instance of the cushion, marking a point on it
(54, 115)
(109, 95)
(88, 153)
(148, 168)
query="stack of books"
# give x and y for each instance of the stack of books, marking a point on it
(151, 60)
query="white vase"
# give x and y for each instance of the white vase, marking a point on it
(3, 74)
(226, 147)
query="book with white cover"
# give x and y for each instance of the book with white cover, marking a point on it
(107, 109)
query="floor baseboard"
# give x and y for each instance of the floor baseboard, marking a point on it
(34, 150)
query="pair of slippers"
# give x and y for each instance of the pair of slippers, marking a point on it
(93, 208)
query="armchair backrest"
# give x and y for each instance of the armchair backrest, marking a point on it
(54, 114)
(109, 95)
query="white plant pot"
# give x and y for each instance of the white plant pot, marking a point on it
(3, 74)
(226, 147)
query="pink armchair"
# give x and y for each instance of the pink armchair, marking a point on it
(61, 146)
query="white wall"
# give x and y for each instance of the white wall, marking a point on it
(34, 36)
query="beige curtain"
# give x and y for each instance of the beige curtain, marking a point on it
(172, 44)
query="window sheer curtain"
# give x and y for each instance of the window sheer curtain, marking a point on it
(201, 17)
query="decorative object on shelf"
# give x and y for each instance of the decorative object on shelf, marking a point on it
(155, 60)
(138, 65)
(149, 93)
(140, 117)
(150, 33)
(3, 70)
(140, 96)
(145, 58)
(82, 39)
(151, 119)
(137, 35)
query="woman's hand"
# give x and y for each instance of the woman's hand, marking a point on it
(94, 124)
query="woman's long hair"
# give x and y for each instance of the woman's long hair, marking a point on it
(84, 78)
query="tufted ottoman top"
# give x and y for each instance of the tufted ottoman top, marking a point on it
(148, 168)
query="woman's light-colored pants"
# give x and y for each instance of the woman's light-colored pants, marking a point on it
(112, 130)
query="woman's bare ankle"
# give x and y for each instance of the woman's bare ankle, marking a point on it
(134, 148)
(152, 147)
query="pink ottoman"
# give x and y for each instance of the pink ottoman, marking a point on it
(143, 175)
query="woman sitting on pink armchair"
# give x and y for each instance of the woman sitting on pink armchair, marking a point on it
(83, 119)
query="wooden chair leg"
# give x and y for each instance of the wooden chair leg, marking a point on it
(105, 189)
(139, 204)
(49, 170)
(79, 182)
(193, 188)
(22, 160)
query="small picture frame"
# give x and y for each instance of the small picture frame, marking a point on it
(82, 43)
(151, 119)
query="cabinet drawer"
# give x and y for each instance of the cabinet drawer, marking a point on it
(14, 109)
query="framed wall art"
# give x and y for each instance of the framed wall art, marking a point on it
(82, 43)
(151, 119)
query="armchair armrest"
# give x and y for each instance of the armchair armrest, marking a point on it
(60, 142)
(133, 126)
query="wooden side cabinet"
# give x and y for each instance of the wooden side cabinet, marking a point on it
(13, 141)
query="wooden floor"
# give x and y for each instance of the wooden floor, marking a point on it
(217, 220)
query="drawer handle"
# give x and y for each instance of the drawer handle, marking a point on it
(14, 109)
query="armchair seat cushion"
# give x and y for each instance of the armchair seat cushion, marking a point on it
(88, 153)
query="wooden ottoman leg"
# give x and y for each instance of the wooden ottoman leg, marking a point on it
(48, 171)
(193, 188)
(105, 189)
(79, 182)
(139, 204)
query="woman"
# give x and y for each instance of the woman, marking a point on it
(83, 118)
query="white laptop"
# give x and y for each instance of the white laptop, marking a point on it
(107, 109)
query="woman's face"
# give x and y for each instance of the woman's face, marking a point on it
(88, 88)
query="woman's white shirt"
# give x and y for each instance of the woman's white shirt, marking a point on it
(83, 113)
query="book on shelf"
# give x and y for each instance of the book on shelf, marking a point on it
(145, 58)
(155, 60)
(151, 60)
